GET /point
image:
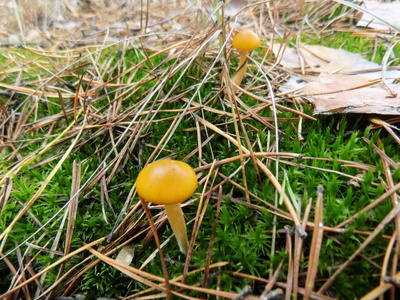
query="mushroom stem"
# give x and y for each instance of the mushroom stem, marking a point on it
(178, 225)
(237, 78)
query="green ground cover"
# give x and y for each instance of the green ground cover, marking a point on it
(243, 236)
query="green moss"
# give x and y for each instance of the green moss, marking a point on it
(243, 236)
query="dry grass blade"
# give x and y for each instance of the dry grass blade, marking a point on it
(73, 206)
(29, 158)
(383, 155)
(395, 200)
(5, 193)
(5, 233)
(298, 247)
(22, 275)
(315, 245)
(208, 259)
(389, 128)
(45, 270)
(154, 230)
(154, 254)
(383, 197)
(28, 91)
(272, 281)
(381, 289)
(386, 259)
(72, 210)
(131, 272)
(235, 112)
(179, 278)
(393, 213)
(268, 173)
(289, 250)
(10, 266)
(141, 275)
(63, 106)
(129, 83)
(197, 221)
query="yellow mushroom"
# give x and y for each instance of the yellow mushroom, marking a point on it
(169, 182)
(245, 41)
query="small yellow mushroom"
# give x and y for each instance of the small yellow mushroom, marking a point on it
(169, 182)
(245, 41)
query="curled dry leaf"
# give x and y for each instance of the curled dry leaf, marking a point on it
(336, 93)
(331, 80)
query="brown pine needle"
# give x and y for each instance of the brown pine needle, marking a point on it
(381, 289)
(125, 87)
(268, 173)
(383, 197)
(142, 275)
(153, 229)
(377, 230)
(315, 245)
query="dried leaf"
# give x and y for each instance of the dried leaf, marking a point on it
(321, 59)
(330, 80)
(389, 11)
(125, 255)
(348, 94)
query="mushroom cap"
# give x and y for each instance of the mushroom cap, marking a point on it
(246, 40)
(166, 182)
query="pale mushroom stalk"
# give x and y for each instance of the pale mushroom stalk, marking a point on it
(237, 78)
(178, 225)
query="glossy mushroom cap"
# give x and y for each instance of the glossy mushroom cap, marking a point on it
(166, 182)
(246, 40)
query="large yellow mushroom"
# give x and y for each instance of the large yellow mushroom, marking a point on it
(245, 41)
(169, 182)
